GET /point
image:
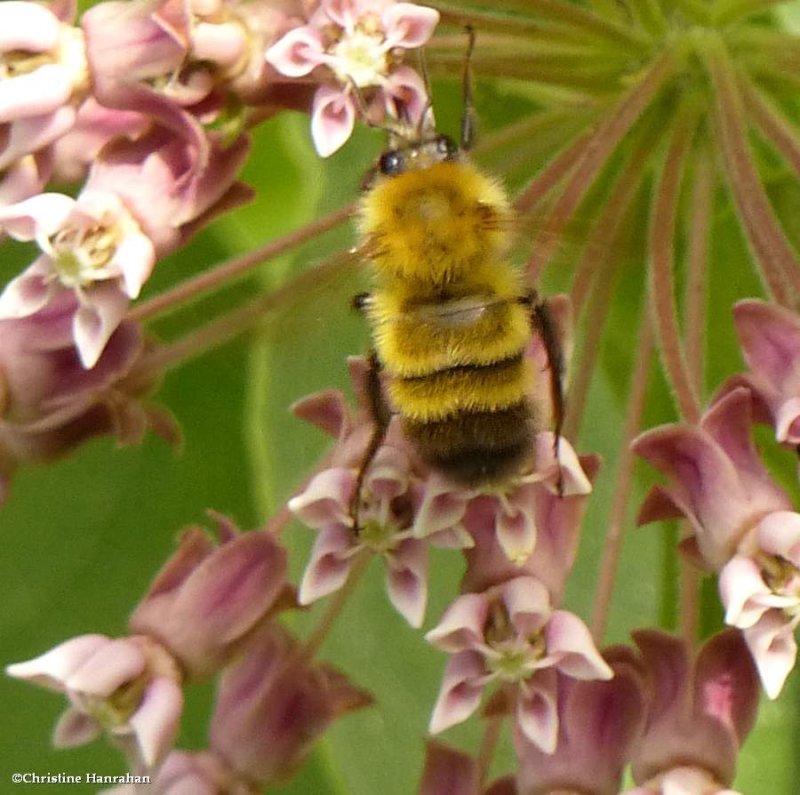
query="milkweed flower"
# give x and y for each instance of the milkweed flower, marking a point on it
(92, 246)
(511, 635)
(717, 479)
(770, 338)
(43, 78)
(208, 598)
(354, 47)
(760, 589)
(272, 705)
(699, 713)
(128, 687)
(50, 403)
(599, 723)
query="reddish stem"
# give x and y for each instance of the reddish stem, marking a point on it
(612, 547)
(773, 252)
(237, 267)
(596, 152)
(662, 293)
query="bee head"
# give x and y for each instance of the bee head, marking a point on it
(413, 157)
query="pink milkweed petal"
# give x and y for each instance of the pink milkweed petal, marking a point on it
(329, 566)
(157, 720)
(407, 580)
(528, 604)
(537, 711)
(326, 499)
(332, 119)
(74, 728)
(115, 663)
(97, 319)
(27, 26)
(39, 217)
(297, 53)
(29, 292)
(772, 644)
(462, 624)
(409, 25)
(54, 667)
(37, 93)
(570, 643)
(460, 694)
(135, 257)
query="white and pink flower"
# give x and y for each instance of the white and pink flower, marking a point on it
(353, 46)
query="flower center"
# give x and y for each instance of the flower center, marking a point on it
(360, 57)
(80, 256)
(783, 578)
(21, 62)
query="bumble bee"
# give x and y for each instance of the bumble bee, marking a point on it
(451, 318)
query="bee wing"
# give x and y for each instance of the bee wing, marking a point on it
(456, 312)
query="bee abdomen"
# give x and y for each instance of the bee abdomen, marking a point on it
(460, 388)
(475, 448)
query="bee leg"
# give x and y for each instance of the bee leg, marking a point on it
(544, 325)
(381, 415)
(468, 119)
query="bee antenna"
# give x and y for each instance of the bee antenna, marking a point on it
(468, 121)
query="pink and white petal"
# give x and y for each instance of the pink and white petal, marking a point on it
(408, 25)
(97, 318)
(770, 338)
(54, 667)
(29, 292)
(528, 604)
(516, 533)
(27, 26)
(333, 117)
(570, 644)
(157, 720)
(34, 133)
(135, 258)
(388, 474)
(326, 500)
(461, 691)
(34, 94)
(573, 479)
(772, 644)
(537, 710)
(443, 507)
(298, 52)
(24, 178)
(405, 95)
(407, 580)
(37, 218)
(462, 624)
(74, 728)
(114, 664)
(329, 565)
(743, 592)
(787, 421)
(779, 534)
(327, 410)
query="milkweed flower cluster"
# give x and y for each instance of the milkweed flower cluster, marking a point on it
(643, 136)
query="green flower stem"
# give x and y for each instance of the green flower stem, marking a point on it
(696, 11)
(594, 280)
(576, 18)
(231, 324)
(727, 11)
(612, 546)
(599, 147)
(662, 252)
(774, 255)
(491, 737)
(235, 268)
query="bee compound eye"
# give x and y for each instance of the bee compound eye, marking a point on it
(391, 163)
